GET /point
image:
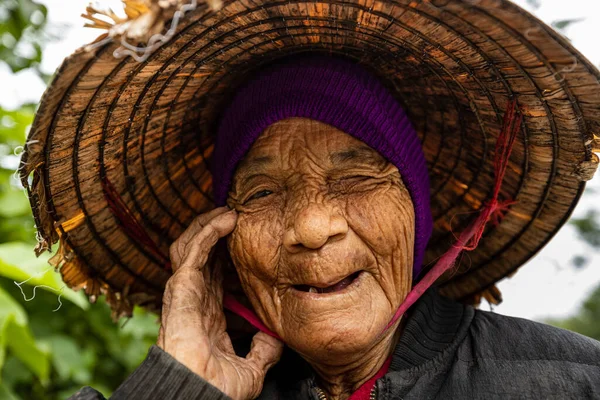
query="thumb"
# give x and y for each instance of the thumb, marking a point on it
(265, 351)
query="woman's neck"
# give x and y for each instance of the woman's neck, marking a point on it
(340, 378)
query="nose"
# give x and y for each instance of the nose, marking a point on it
(313, 226)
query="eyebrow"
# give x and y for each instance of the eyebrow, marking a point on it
(363, 153)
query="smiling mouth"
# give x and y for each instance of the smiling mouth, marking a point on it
(341, 285)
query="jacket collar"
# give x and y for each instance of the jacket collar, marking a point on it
(432, 326)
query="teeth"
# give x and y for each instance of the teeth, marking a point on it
(312, 290)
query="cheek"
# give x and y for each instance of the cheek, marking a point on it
(384, 220)
(255, 244)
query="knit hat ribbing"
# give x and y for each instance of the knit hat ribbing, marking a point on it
(336, 92)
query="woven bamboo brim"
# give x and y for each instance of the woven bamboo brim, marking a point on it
(148, 128)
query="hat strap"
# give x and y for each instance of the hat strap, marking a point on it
(230, 303)
(492, 210)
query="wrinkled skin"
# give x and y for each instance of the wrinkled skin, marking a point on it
(313, 206)
(192, 321)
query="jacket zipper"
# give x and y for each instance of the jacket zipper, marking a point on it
(373, 395)
(321, 394)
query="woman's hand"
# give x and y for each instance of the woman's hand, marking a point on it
(193, 323)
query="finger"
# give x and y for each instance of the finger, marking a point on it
(265, 351)
(177, 247)
(200, 245)
(201, 220)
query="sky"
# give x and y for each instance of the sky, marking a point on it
(547, 286)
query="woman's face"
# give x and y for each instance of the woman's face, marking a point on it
(324, 239)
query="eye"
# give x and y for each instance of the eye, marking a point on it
(258, 195)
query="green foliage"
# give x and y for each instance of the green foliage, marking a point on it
(20, 264)
(587, 320)
(14, 123)
(580, 261)
(563, 24)
(15, 335)
(15, 215)
(52, 341)
(588, 228)
(21, 33)
(82, 347)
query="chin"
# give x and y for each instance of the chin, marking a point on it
(321, 326)
(333, 343)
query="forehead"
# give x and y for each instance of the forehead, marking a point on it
(298, 140)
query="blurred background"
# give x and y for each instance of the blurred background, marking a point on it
(52, 341)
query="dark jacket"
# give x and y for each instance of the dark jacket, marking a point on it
(447, 351)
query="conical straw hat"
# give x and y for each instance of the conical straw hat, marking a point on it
(142, 128)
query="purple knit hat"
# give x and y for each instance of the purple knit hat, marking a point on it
(339, 93)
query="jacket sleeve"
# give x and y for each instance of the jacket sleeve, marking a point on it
(160, 376)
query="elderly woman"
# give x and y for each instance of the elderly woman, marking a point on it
(325, 170)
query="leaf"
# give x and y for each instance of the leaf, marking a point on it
(564, 23)
(23, 346)
(15, 335)
(580, 261)
(69, 361)
(25, 22)
(143, 325)
(17, 262)
(13, 203)
(10, 311)
(17, 229)
(588, 228)
(13, 124)
(15, 372)
(7, 394)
